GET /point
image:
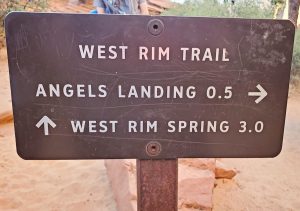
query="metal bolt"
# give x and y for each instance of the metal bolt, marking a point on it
(153, 148)
(155, 27)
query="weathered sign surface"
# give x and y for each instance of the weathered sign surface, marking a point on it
(109, 86)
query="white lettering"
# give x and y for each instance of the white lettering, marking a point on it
(86, 50)
(217, 54)
(171, 125)
(158, 91)
(224, 127)
(198, 126)
(191, 92)
(54, 90)
(132, 92)
(101, 51)
(132, 126)
(225, 53)
(146, 92)
(120, 92)
(112, 50)
(207, 55)
(90, 93)
(143, 53)
(102, 90)
(80, 90)
(195, 54)
(142, 126)
(67, 90)
(103, 126)
(193, 126)
(184, 51)
(123, 50)
(164, 53)
(92, 126)
(113, 125)
(77, 125)
(40, 91)
(181, 125)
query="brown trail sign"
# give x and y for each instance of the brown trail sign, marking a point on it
(89, 87)
(110, 86)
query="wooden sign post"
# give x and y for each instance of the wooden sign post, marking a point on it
(157, 185)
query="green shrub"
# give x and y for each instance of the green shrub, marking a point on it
(7, 6)
(213, 8)
(199, 8)
(295, 75)
(251, 9)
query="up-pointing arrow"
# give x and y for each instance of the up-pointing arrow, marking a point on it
(261, 94)
(46, 121)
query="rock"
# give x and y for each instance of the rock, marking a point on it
(224, 172)
(196, 180)
(200, 163)
(6, 117)
(195, 183)
(196, 193)
(122, 177)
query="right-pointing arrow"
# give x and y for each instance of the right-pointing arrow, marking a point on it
(261, 94)
(46, 121)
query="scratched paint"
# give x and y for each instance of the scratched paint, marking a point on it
(203, 87)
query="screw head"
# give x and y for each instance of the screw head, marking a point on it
(155, 27)
(153, 148)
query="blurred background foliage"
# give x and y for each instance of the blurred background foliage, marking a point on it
(215, 8)
(7, 6)
(295, 74)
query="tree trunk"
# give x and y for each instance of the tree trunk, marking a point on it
(293, 10)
